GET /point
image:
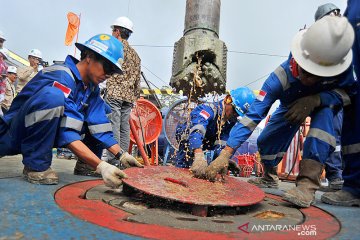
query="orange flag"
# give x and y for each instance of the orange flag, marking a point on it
(73, 27)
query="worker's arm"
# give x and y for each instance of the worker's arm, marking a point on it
(110, 173)
(345, 89)
(337, 97)
(125, 158)
(84, 153)
(270, 92)
(199, 121)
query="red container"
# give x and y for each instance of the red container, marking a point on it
(246, 164)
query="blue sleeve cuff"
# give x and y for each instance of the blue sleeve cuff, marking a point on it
(67, 137)
(329, 99)
(195, 140)
(238, 135)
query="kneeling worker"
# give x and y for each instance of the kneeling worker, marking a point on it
(209, 129)
(61, 107)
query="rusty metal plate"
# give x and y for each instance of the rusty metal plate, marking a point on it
(179, 185)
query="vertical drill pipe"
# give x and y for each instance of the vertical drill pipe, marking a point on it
(202, 14)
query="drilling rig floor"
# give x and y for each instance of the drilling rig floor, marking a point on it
(151, 205)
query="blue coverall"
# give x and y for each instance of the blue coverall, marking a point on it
(351, 124)
(334, 164)
(274, 140)
(54, 109)
(202, 131)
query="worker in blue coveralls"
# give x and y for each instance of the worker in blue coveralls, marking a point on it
(315, 81)
(61, 107)
(349, 195)
(334, 164)
(203, 132)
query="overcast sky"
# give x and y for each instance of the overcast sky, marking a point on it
(252, 26)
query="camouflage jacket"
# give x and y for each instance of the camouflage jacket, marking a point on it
(25, 74)
(126, 86)
(9, 95)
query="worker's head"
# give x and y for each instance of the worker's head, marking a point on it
(324, 49)
(122, 28)
(12, 73)
(239, 101)
(34, 57)
(101, 56)
(327, 9)
(2, 39)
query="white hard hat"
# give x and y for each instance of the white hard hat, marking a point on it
(35, 53)
(11, 69)
(324, 49)
(2, 36)
(3, 53)
(123, 22)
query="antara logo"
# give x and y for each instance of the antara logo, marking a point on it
(244, 227)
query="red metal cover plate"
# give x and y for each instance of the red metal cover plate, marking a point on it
(179, 185)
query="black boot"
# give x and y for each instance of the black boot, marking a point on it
(84, 169)
(269, 180)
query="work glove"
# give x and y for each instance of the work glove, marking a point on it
(219, 165)
(110, 174)
(199, 165)
(302, 108)
(129, 161)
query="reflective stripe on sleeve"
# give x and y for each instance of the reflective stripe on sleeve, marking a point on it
(42, 115)
(69, 122)
(199, 127)
(220, 142)
(344, 96)
(100, 128)
(323, 136)
(351, 149)
(53, 68)
(282, 76)
(272, 156)
(247, 122)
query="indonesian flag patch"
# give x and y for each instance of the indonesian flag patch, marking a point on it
(63, 88)
(261, 95)
(205, 114)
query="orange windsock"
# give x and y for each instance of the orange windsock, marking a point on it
(73, 27)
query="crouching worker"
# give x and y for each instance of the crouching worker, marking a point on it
(209, 129)
(315, 81)
(61, 107)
